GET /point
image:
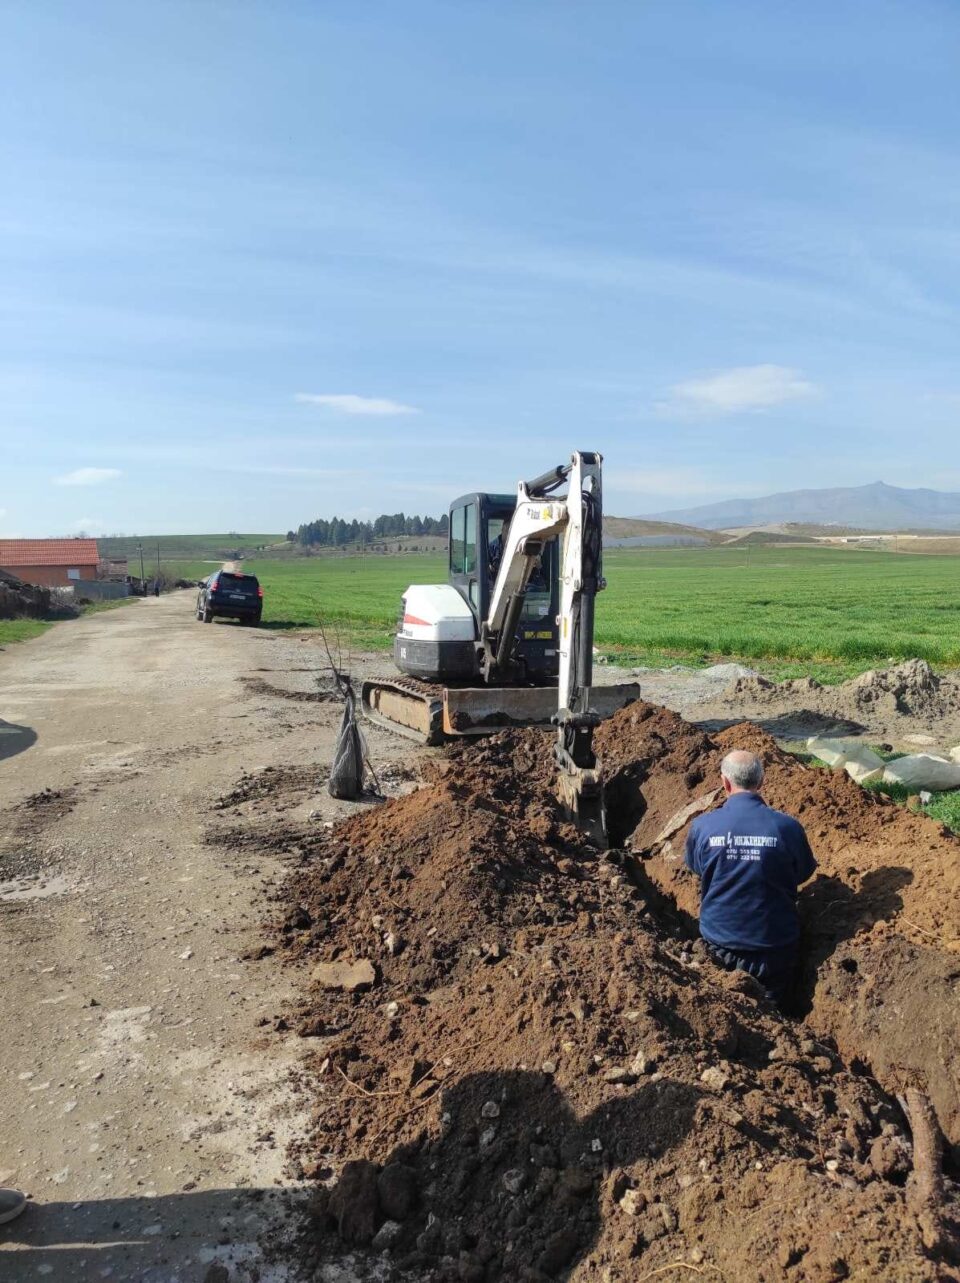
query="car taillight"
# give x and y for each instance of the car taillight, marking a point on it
(259, 591)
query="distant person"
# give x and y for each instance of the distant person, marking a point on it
(751, 860)
(12, 1203)
(156, 588)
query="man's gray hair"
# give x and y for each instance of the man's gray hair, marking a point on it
(744, 770)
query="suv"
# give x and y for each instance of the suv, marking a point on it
(231, 594)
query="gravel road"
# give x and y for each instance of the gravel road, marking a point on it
(144, 1110)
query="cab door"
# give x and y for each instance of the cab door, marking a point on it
(464, 567)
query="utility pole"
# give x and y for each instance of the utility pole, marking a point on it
(158, 559)
(143, 578)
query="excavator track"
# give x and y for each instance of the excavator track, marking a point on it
(430, 713)
(410, 707)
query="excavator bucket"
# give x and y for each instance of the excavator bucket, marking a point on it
(580, 793)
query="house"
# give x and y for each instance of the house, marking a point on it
(50, 563)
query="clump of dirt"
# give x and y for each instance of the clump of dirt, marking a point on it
(283, 785)
(532, 1070)
(882, 700)
(323, 695)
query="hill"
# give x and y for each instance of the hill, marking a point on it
(638, 532)
(186, 547)
(873, 507)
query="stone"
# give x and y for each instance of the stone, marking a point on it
(354, 1202)
(714, 1078)
(549, 1067)
(351, 977)
(642, 1063)
(386, 1236)
(618, 1074)
(514, 1180)
(217, 1273)
(633, 1202)
(397, 1191)
(490, 1109)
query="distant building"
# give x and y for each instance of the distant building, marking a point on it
(50, 563)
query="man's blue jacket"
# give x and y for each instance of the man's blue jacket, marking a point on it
(751, 860)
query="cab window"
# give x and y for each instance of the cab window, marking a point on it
(470, 540)
(458, 519)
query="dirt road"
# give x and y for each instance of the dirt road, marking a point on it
(143, 1109)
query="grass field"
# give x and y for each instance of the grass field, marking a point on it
(17, 630)
(828, 612)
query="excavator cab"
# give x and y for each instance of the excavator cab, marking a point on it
(478, 528)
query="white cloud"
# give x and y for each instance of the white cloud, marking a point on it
(87, 476)
(89, 525)
(348, 403)
(743, 389)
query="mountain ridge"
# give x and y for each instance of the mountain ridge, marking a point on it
(877, 506)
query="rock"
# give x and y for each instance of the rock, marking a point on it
(217, 1273)
(488, 1136)
(354, 1202)
(514, 1180)
(808, 1047)
(831, 1164)
(186, 955)
(619, 1074)
(642, 1063)
(397, 1191)
(386, 1236)
(490, 1109)
(549, 1067)
(352, 977)
(633, 1202)
(714, 1078)
(558, 1252)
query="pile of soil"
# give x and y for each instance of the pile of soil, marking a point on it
(20, 600)
(881, 699)
(526, 1069)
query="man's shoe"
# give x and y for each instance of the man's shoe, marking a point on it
(12, 1203)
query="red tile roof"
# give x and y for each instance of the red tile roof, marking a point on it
(48, 552)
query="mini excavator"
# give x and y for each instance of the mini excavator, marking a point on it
(508, 640)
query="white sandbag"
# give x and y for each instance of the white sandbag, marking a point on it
(864, 765)
(832, 751)
(923, 771)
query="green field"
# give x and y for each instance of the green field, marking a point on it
(788, 610)
(17, 630)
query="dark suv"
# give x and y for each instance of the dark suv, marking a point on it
(232, 595)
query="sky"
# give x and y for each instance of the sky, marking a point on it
(270, 260)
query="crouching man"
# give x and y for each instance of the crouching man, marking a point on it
(750, 860)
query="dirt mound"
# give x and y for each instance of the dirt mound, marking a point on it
(878, 700)
(533, 1071)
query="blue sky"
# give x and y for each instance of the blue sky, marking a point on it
(267, 260)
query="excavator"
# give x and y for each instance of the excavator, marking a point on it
(508, 640)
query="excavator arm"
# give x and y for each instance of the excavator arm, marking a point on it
(577, 520)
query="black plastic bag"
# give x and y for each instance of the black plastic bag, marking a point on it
(346, 773)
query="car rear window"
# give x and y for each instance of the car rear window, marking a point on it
(246, 584)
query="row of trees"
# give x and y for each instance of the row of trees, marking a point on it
(336, 533)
